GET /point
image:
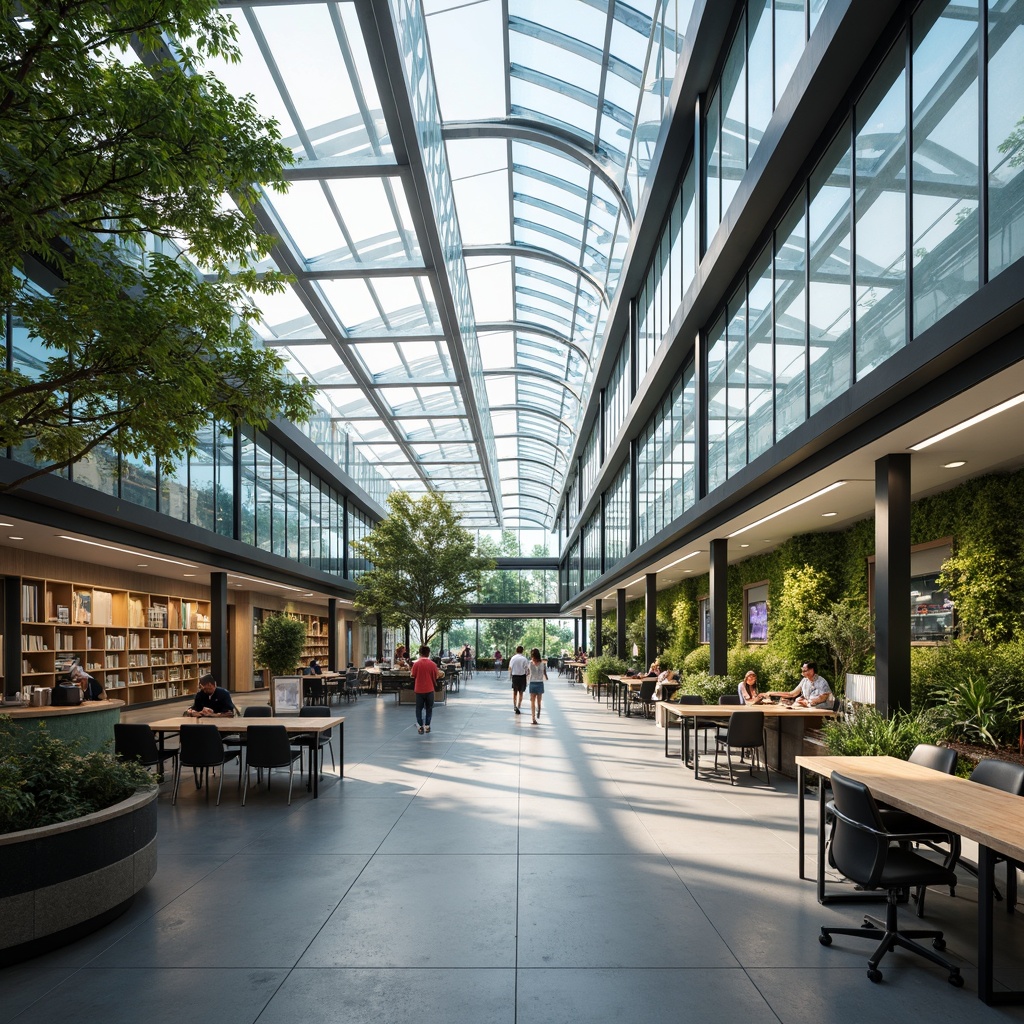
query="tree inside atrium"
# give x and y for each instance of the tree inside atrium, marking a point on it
(120, 156)
(425, 566)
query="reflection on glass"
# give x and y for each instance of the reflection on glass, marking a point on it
(880, 180)
(790, 321)
(829, 299)
(717, 404)
(734, 118)
(945, 186)
(759, 371)
(712, 170)
(1005, 133)
(759, 65)
(737, 386)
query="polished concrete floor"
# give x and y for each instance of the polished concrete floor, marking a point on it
(494, 872)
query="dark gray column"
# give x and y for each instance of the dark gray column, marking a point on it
(620, 624)
(408, 639)
(575, 636)
(334, 662)
(651, 616)
(380, 638)
(219, 630)
(583, 629)
(598, 612)
(718, 595)
(12, 633)
(892, 584)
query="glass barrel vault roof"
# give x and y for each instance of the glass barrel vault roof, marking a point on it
(465, 183)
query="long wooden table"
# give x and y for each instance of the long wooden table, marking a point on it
(292, 724)
(991, 818)
(724, 712)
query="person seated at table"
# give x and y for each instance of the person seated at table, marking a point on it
(91, 690)
(313, 668)
(667, 684)
(748, 690)
(812, 692)
(655, 668)
(465, 656)
(212, 701)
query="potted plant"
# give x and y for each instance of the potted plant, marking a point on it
(77, 840)
(279, 644)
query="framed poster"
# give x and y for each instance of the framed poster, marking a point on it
(286, 695)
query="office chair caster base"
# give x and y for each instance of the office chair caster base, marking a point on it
(956, 981)
(939, 944)
(825, 940)
(874, 974)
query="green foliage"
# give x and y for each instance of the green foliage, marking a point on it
(698, 660)
(773, 671)
(844, 630)
(47, 781)
(279, 644)
(933, 669)
(142, 352)
(804, 589)
(868, 732)
(985, 587)
(603, 667)
(707, 686)
(425, 565)
(978, 710)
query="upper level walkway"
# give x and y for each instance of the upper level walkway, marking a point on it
(494, 872)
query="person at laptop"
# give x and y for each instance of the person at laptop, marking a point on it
(91, 690)
(212, 701)
(812, 692)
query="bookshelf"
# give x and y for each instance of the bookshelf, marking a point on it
(141, 647)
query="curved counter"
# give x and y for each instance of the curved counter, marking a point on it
(92, 723)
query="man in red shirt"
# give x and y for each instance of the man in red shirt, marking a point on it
(424, 676)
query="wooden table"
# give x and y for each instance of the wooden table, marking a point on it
(622, 686)
(990, 817)
(575, 676)
(724, 712)
(292, 724)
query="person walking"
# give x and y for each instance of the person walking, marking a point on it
(424, 678)
(498, 662)
(518, 667)
(538, 672)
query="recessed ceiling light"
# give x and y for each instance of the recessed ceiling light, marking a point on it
(188, 574)
(954, 465)
(143, 565)
(8, 525)
(744, 545)
(687, 570)
(123, 551)
(15, 538)
(828, 515)
(307, 595)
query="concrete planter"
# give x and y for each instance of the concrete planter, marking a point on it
(61, 882)
(407, 696)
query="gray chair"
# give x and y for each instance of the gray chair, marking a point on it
(745, 732)
(704, 725)
(136, 742)
(645, 697)
(319, 739)
(202, 748)
(350, 686)
(863, 850)
(268, 747)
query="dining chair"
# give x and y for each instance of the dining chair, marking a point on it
(864, 851)
(645, 697)
(704, 725)
(746, 732)
(202, 748)
(237, 740)
(134, 741)
(270, 748)
(321, 740)
(723, 727)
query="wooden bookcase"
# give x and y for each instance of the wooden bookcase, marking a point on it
(316, 639)
(141, 647)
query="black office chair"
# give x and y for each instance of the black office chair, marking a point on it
(1008, 777)
(863, 850)
(350, 690)
(321, 740)
(269, 748)
(746, 732)
(202, 748)
(940, 759)
(136, 742)
(723, 727)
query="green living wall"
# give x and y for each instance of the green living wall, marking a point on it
(982, 516)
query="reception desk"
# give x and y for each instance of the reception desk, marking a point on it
(91, 723)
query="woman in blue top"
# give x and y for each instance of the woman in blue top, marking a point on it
(537, 674)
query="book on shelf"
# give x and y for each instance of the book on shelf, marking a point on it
(102, 608)
(63, 615)
(30, 602)
(136, 612)
(81, 604)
